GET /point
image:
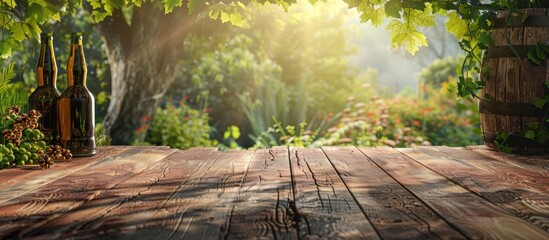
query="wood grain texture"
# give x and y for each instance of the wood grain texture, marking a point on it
(265, 207)
(537, 164)
(123, 208)
(283, 193)
(325, 206)
(498, 182)
(394, 212)
(193, 200)
(472, 215)
(37, 208)
(17, 181)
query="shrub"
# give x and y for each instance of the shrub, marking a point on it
(178, 126)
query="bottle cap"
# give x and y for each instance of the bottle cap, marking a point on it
(45, 36)
(76, 37)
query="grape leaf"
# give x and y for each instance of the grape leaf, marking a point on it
(237, 19)
(539, 102)
(530, 134)
(10, 3)
(532, 57)
(393, 8)
(99, 15)
(214, 13)
(225, 17)
(456, 26)
(170, 4)
(369, 13)
(6, 47)
(420, 17)
(18, 31)
(404, 34)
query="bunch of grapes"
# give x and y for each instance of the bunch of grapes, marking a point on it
(24, 142)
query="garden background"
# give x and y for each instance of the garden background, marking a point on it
(309, 76)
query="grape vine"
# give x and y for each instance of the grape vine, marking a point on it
(22, 142)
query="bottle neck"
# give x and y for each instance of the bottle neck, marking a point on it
(76, 69)
(46, 68)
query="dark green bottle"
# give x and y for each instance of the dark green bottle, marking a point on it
(76, 105)
(44, 97)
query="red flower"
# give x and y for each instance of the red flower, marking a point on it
(147, 118)
(186, 97)
(142, 128)
(207, 110)
(417, 123)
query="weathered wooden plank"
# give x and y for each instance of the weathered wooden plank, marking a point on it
(265, 202)
(498, 182)
(58, 197)
(325, 207)
(536, 164)
(394, 212)
(192, 199)
(127, 203)
(471, 214)
(17, 181)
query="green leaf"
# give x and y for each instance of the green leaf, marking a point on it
(547, 84)
(456, 26)
(533, 58)
(420, 17)
(369, 13)
(539, 102)
(403, 34)
(237, 19)
(393, 8)
(18, 31)
(98, 16)
(192, 4)
(225, 17)
(503, 136)
(530, 134)
(214, 13)
(170, 4)
(235, 132)
(11, 3)
(6, 47)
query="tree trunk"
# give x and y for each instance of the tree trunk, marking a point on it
(143, 58)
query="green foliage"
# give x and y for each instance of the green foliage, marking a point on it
(290, 135)
(230, 136)
(439, 72)
(272, 102)
(11, 94)
(101, 139)
(178, 126)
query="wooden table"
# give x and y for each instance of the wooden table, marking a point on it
(280, 193)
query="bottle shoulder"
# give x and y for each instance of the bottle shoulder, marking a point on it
(46, 91)
(76, 92)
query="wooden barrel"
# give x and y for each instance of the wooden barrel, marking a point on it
(513, 82)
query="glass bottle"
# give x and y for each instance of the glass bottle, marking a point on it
(76, 105)
(44, 96)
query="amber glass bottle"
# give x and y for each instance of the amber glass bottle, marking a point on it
(44, 97)
(76, 105)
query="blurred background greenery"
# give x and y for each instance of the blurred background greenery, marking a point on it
(309, 76)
